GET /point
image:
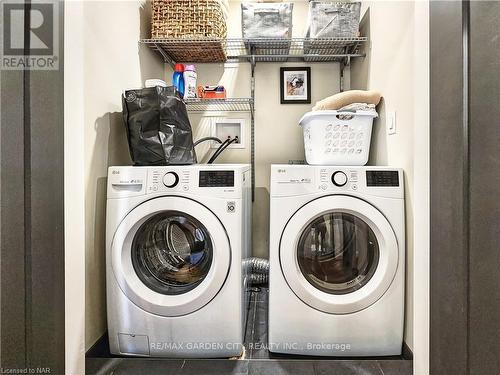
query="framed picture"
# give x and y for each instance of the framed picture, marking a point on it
(295, 85)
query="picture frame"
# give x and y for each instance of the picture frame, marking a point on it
(295, 85)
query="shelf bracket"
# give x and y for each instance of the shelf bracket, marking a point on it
(342, 67)
(346, 61)
(165, 55)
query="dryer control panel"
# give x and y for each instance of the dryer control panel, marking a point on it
(290, 180)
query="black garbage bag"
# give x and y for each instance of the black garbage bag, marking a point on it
(158, 127)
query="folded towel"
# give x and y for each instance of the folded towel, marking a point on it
(345, 98)
(359, 107)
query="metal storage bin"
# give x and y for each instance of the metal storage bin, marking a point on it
(266, 20)
(270, 21)
(333, 19)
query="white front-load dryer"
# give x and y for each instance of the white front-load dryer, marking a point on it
(176, 239)
(337, 256)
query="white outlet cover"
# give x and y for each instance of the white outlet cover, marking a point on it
(391, 123)
(221, 126)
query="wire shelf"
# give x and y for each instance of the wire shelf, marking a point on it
(258, 50)
(220, 105)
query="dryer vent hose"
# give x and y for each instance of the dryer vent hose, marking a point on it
(255, 279)
(257, 269)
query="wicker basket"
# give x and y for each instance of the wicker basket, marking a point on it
(188, 19)
(191, 19)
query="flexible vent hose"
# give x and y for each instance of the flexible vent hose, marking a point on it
(258, 270)
(258, 279)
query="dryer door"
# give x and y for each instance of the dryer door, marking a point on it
(171, 256)
(338, 254)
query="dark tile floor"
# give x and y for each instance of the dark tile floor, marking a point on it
(256, 360)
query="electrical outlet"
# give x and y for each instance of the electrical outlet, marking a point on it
(391, 123)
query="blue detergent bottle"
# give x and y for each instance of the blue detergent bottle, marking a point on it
(178, 78)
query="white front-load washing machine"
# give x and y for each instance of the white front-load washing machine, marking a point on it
(337, 258)
(176, 239)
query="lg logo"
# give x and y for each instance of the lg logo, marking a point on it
(30, 37)
(231, 207)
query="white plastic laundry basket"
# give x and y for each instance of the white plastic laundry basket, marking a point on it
(337, 138)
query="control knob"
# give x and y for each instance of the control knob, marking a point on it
(339, 179)
(171, 179)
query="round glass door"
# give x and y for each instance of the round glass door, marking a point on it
(338, 253)
(170, 255)
(172, 252)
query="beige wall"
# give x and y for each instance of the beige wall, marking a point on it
(113, 61)
(389, 67)
(421, 183)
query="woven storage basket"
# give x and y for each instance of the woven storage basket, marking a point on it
(191, 19)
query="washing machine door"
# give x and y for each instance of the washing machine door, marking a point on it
(339, 254)
(171, 256)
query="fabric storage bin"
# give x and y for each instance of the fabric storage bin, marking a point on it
(336, 137)
(267, 20)
(192, 19)
(334, 19)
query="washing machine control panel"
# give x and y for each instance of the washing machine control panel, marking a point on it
(339, 178)
(170, 179)
(214, 182)
(216, 178)
(344, 179)
(382, 178)
(164, 179)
